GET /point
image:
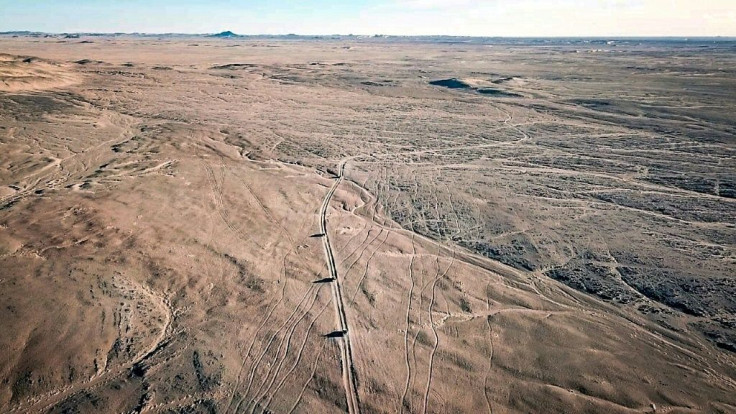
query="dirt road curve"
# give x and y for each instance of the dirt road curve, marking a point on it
(348, 378)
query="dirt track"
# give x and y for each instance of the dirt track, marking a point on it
(348, 371)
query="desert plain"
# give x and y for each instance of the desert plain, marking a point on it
(377, 225)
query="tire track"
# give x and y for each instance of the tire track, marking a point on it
(268, 212)
(311, 376)
(282, 296)
(365, 271)
(406, 330)
(350, 240)
(298, 358)
(490, 365)
(261, 392)
(220, 206)
(256, 363)
(349, 268)
(434, 328)
(255, 335)
(420, 270)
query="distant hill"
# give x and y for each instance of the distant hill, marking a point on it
(225, 35)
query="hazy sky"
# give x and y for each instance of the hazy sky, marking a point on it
(410, 17)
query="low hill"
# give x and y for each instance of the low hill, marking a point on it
(225, 35)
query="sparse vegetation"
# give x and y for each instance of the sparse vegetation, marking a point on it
(465, 305)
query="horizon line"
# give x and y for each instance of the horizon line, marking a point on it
(627, 36)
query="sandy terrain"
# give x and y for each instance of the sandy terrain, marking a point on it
(247, 225)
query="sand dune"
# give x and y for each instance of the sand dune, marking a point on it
(33, 74)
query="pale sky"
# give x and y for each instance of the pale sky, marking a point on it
(400, 17)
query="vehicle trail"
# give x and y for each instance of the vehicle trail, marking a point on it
(217, 193)
(298, 358)
(257, 363)
(262, 324)
(349, 268)
(421, 270)
(490, 365)
(350, 240)
(406, 330)
(270, 311)
(261, 392)
(311, 376)
(348, 376)
(268, 212)
(434, 328)
(365, 271)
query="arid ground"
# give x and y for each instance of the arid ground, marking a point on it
(366, 225)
